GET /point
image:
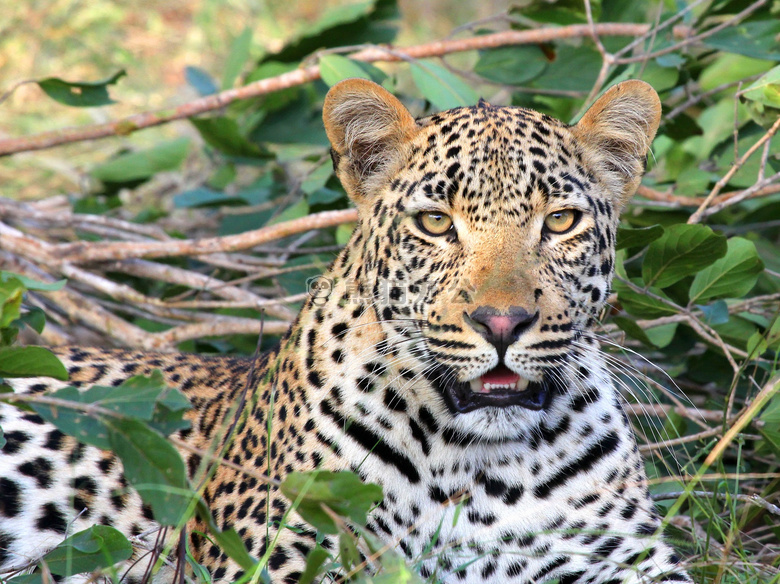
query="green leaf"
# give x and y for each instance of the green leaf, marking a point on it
(316, 179)
(2, 438)
(153, 467)
(31, 284)
(30, 362)
(143, 163)
(574, 69)
(640, 237)
(80, 93)
(511, 65)
(766, 89)
(756, 344)
(35, 318)
(229, 541)
(239, 55)
(770, 429)
(100, 546)
(344, 233)
(763, 97)
(223, 134)
(146, 398)
(11, 293)
(296, 211)
(681, 251)
(314, 560)
(343, 492)
(439, 86)
(753, 39)
(732, 276)
(344, 24)
(643, 305)
(335, 68)
(661, 336)
(205, 197)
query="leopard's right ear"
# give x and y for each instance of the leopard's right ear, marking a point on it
(367, 128)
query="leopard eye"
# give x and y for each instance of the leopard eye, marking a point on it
(561, 221)
(434, 223)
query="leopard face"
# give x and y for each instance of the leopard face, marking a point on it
(487, 237)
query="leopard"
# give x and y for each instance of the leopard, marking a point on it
(448, 354)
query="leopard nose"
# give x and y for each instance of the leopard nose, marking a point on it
(501, 328)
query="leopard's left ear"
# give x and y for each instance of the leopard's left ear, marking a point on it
(616, 133)
(367, 128)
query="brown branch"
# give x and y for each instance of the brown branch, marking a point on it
(682, 201)
(98, 251)
(697, 215)
(303, 75)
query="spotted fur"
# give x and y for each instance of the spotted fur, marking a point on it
(373, 375)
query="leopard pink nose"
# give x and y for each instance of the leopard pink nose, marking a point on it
(500, 329)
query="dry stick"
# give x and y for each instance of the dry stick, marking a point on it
(97, 251)
(682, 201)
(217, 101)
(697, 215)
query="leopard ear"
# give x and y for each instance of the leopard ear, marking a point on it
(616, 133)
(367, 128)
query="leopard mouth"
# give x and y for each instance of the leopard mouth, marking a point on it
(498, 388)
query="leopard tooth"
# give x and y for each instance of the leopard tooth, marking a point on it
(522, 384)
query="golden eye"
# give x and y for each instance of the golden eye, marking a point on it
(434, 223)
(561, 221)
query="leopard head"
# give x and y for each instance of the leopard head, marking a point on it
(487, 233)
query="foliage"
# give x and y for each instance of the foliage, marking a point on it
(697, 276)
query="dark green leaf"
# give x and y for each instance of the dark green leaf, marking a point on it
(511, 65)
(239, 55)
(574, 69)
(643, 305)
(732, 276)
(439, 86)
(681, 251)
(99, 546)
(34, 578)
(30, 362)
(205, 197)
(153, 467)
(754, 39)
(223, 134)
(80, 94)
(314, 560)
(144, 397)
(639, 237)
(344, 24)
(200, 80)
(770, 430)
(35, 318)
(143, 163)
(229, 541)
